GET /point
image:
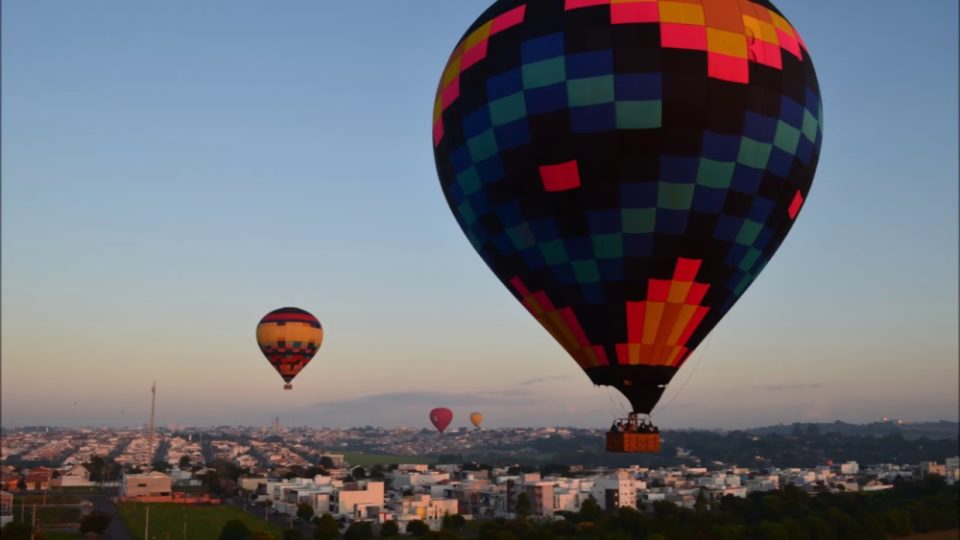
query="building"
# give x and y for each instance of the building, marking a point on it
(10, 481)
(76, 476)
(344, 501)
(151, 485)
(617, 491)
(540, 495)
(39, 478)
(850, 467)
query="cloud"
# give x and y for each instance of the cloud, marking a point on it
(798, 386)
(538, 380)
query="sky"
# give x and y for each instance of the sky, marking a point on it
(172, 171)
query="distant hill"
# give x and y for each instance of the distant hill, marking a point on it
(931, 430)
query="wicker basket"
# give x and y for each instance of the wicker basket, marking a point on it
(633, 442)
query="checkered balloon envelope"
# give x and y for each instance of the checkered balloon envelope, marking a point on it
(628, 167)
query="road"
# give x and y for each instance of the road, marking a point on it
(117, 529)
(281, 521)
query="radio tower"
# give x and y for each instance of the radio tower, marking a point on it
(153, 408)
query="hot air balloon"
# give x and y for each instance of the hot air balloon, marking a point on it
(441, 418)
(627, 169)
(475, 419)
(289, 337)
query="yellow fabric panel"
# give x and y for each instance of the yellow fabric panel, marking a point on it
(671, 312)
(271, 333)
(761, 30)
(678, 291)
(680, 12)
(451, 72)
(728, 43)
(557, 322)
(478, 35)
(533, 306)
(686, 313)
(782, 24)
(651, 322)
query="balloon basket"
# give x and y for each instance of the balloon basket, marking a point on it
(633, 442)
(288, 387)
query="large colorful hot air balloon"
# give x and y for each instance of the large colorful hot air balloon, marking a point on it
(475, 419)
(289, 337)
(441, 418)
(627, 169)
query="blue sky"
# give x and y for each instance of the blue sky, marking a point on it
(172, 171)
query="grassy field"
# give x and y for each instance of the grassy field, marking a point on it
(48, 514)
(203, 522)
(53, 535)
(369, 460)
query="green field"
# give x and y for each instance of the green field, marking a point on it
(203, 522)
(369, 460)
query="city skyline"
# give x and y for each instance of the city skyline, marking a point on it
(171, 174)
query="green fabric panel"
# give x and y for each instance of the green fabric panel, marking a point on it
(638, 220)
(508, 109)
(590, 91)
(754, 153)
(809, 128)
(715, 174)
(554, 252)
(586, 271)
(673, 196)
(608, 246)
(749, 259)
(521, 236)
(466, 211)
(787, 137)
(469, 180)
(544, 72)
(482, 146)
(748, 232)
(639, 114)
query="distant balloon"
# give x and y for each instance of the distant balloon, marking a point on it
(476, 418)
(441, 418)
(289, 337)
(627, 169)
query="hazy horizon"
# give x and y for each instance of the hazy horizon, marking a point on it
(172, 172)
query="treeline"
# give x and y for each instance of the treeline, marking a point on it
(788, 514)
(802, 448)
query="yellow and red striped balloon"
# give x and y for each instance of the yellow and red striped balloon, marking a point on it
(289, 337)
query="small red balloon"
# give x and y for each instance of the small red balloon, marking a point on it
(441, 418)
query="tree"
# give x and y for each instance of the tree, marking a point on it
(161, 466)
(16, 530)
(523, 506)
(289, 534)
(184, 462)
(304, 511)
(701, 505)
(95, 522)
(264, 535)
(327, 463)
(590, 510)
(234, 530)
(417, 527)
(453, 522)
(358, 473)
(359, 530)
(389, 529)
(327, 528)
